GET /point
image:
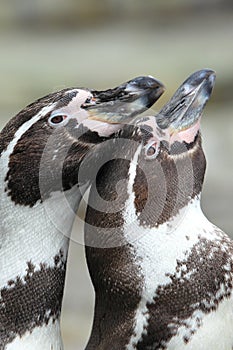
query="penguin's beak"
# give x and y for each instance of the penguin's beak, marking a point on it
(186, 106)
(125, 101)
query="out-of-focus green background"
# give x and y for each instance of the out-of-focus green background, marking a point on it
(46, 45)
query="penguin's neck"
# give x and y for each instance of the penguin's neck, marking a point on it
(161, 213)
(190, 219)
(34, 246)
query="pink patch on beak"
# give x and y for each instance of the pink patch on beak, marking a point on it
(187, 135)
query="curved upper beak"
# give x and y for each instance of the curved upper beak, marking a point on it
(124, 101)
(187, 104)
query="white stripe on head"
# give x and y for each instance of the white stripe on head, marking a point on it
(130, 216)
(73, 108)
(19, 133)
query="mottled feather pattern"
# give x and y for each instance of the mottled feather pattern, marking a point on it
(200, 283)
(35, 304)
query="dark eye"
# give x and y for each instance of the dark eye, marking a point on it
(152, 150)
(88, 100)
(57, 119)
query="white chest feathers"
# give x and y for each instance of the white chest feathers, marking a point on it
(185, 303)
(47, 337)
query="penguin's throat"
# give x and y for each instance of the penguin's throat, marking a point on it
(134, 226)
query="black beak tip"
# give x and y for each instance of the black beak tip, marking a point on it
(199, 77)
(188, 102)
(145, 83)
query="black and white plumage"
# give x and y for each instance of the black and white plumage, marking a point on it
(41, 152)
(162, 272)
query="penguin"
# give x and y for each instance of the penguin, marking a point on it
(41, 152)
(162, 273)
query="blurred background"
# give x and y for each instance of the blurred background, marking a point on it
(47, 45)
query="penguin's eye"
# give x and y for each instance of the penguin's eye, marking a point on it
(152, 149)
(88, 100)
(57, 119)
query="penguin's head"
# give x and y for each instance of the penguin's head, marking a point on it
(160, 160)
(172, 162)
(47, 140)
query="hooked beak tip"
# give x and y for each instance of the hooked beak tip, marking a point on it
(188, 102)
(125, 101)
(198, 78)
(144, 83)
